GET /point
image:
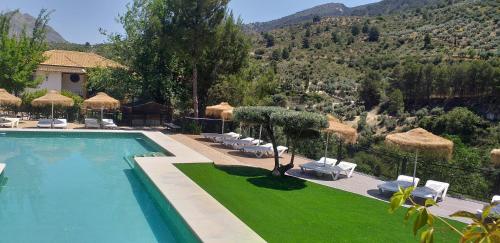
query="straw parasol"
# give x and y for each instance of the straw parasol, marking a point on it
(344, 132)
(223, 110)
(420, 139)
(52, 98)
(8, 99)
(101, 101)
(495, 157)
(216, 110)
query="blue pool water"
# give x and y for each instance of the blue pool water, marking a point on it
(78, 187)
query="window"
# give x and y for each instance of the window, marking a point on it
(75, 78)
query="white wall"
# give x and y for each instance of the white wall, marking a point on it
(51, 80)
(76, 88)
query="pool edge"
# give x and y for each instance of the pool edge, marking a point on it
(208, 219)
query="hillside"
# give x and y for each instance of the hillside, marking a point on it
(20, 22)
(329, 9)
(338, 9)
(324, 62)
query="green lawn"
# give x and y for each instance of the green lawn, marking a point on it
(294, 210)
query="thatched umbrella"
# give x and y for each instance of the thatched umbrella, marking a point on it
(420, 139)
(495, 157)
(52, 98)
(344, 132)
(101, 101)
(8, 99)
(218, 110)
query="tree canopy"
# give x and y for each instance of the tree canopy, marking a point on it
(21, 54)
(297, 125)
(180, 47)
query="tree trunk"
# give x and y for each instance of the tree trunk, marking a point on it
(195, 90)
(284, 168)
(270, 131)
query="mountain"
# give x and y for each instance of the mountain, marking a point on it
(338, 9)
(329, 9)
(20, 21)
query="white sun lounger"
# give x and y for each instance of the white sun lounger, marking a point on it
(264, 150)
(330, 168)
(402, 181)
(228, 136)
(214, 136)
(495, 209)
(9, 122)
(230, 142)
(2, 167)
(44, 123)
(238, 144)
(432, 190)
(344, 167)
(321, 162)
(60, 123)
(92, 123)
(109, 124)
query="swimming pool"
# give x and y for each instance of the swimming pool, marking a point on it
(81, 187)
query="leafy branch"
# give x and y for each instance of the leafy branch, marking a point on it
(483, 229)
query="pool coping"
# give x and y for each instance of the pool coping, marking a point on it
(207, 218)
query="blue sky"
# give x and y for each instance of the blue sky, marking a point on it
(79, 21)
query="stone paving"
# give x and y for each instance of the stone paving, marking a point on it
(359, 183)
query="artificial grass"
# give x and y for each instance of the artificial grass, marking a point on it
(293, 210)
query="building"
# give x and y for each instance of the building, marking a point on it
(67, 70)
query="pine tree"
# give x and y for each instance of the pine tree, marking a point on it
(427, 41)
(373, 34)
(355, 29)
(305, 43)
(285, 54)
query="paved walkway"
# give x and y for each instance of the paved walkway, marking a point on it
(359, 183)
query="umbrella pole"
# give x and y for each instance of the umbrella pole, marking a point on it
(260, 135)
(222, 126)
(102, 116)
(52, 116)
(326, 149)
(415, 167)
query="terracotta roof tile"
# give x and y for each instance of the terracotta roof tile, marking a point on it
(77, 59)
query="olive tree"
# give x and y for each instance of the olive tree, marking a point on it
(296, 126)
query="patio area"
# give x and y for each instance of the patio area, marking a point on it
(359, 183)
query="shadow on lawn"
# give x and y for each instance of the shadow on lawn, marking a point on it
(263, 178)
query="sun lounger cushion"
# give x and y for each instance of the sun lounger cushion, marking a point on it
(331, 169)
(402, 181)
(92, 123)
(44, 123)
(60, 123)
